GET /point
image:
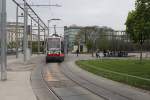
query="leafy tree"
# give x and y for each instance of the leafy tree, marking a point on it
(87, 35)
(11, 45)
(95, 38)
(35, 47)
(138, 23)
(89, 44)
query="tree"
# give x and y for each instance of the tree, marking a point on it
(11, 45)
(95, 37)
(138, 23)
(87, 35)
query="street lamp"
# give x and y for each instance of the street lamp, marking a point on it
(54, 19)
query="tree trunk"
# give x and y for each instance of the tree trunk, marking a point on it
(141, 49)
(92, 52)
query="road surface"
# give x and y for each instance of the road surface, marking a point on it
(66, 81)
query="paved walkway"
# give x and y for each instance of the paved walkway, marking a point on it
(17, 86)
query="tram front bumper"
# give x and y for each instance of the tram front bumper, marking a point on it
(54, 58)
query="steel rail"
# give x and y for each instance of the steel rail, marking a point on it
(49, 88)
(63, 69)
(59, 97)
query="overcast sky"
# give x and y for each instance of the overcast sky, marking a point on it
(111, 13)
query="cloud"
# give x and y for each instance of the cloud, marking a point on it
(110, 13)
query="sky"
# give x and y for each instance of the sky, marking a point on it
(111, 13)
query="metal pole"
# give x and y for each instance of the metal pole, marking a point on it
(55, 30)
(38, 36)
(17, 44)
(44, 39)
(48, 27)
(31, 37)
(32, 14)
(66, 42)
(3, 16)
(56, 5)
(25, 44)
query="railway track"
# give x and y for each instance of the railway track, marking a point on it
(80, 81)
(50, 88)
(66, 83)
(92, 87)
(69, 83)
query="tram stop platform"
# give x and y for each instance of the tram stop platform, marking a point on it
(17, 86)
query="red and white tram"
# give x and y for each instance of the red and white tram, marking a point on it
(54, 49)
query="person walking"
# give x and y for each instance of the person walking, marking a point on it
(97, 54)
(77, 52)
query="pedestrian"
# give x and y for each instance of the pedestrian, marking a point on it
(77, 52)
(105, 53)
(97, 54)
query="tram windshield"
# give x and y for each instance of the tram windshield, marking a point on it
(54, 43)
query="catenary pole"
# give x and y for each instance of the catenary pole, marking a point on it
(38, 36)
(17, 44)
(3, 17)
(55, 33)
(25, 41)
(48, 28)
(44, 39)
(31, 36)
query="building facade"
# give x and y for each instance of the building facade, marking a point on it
(70, 34)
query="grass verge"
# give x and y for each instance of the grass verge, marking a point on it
(126, 71)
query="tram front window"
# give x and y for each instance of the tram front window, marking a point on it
(53, 43)
(54, 52)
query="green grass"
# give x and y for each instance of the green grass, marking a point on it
(126, 71)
